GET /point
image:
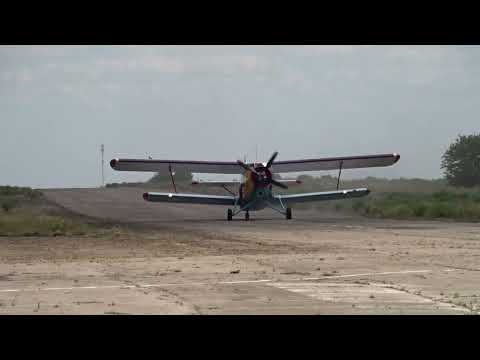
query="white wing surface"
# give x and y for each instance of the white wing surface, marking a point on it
(348, 162)
(320, 196)
(189, 198)
(230, 167)
(163, 166)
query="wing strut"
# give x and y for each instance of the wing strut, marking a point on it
(339, 173)
(171, 175)
(227, 189)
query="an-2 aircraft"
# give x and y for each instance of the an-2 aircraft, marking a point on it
(255, 192)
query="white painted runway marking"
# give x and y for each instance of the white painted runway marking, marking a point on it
(369, 274)
(92, 287)
(244, 281)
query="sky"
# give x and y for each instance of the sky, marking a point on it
(58, 104)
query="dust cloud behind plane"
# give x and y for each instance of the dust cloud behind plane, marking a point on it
(59, 103)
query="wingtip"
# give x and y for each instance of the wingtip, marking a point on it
(113, 163)
(397, 157)
(145, 196)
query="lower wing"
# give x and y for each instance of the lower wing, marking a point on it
(319, 196)
(189, 198)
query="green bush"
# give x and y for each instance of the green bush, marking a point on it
(358, 205)
(373, 210)
(16, 190)
(445, 196)
(33, 194)
(57, 226)
(419, 209)
(462, 205)
(441, 210)
(475, 197)
(398, 211)
(471, 211)
(8, 205)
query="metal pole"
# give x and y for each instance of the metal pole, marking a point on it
(102, 149)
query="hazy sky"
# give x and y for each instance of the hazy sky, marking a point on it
(59, 103)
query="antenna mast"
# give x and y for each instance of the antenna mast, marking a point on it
(102, 150)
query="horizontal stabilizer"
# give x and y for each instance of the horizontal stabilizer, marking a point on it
(290, 182)
(216, 183)
(237, 183)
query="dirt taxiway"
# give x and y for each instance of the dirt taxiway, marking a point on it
(181, 259)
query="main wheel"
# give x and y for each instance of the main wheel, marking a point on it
(247, 216)
(229, 214)
(289, 213)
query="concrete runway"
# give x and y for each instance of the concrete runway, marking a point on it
(181, 259)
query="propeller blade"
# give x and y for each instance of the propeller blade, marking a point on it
(272, 159)
(246, 167)
(279, 184)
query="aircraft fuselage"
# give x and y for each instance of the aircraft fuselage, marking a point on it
(256, 191)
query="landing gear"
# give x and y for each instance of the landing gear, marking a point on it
(229, 214)
(247, 215)
(288, 214)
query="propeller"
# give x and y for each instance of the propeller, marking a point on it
(272, 159)
(269, 180)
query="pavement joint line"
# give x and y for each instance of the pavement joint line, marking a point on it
(218, 283)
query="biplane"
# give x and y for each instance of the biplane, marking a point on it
(255, 192)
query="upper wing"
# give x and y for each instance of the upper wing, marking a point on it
(226, 167)
(189, 198)
(319, 196)
(162, 166)
(349, 162)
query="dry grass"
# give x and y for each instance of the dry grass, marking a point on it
(25, 212)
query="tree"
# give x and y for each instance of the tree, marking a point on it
(461, 161)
